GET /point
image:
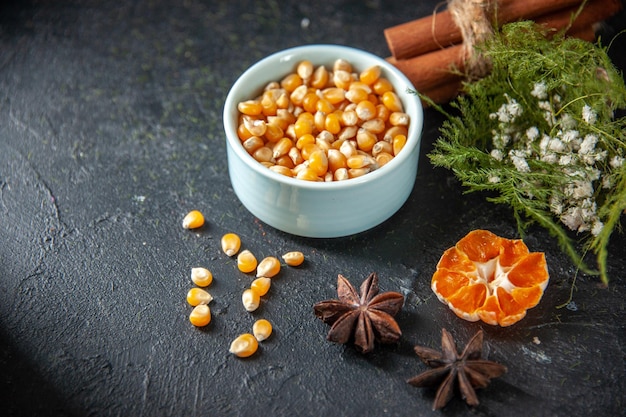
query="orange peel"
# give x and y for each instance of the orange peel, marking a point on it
(490, 278)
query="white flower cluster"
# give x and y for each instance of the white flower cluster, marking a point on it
(563, 147)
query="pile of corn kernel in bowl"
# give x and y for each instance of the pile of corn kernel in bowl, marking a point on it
(321, 124)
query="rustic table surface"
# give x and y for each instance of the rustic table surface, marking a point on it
(111, 130)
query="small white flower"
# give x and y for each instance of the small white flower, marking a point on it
(556, 145)
(519, 160)
(589, 116)
(545, 141)
(588, 145)
(494, 179)
(540, 90)
(532, 133)
(607, 182)
(514, 108)
(567, 121)
(550, 157)
(556, 205)
(497, 154)
(569, 136)
(597, 227)
(616, 162)
(582, 189)
(572, 218)
(566, 159)
(545, 105)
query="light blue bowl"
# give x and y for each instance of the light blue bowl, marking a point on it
(320, 209)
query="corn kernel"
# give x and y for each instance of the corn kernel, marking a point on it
(348, 132)
(250, 300)
(264, 154)
(392, 101)
(295, 156)
(381, 86)
(293, 258)
(282, 147)
(342, 79)
(374, 125)
(244, 346)
(309, 102)
(285, 161)
(365, 140)
(359, 161)
(357, 94)
(282, 170)
(307, 174)
(398, 143)
(341, 174)
(250, 107)
(303, 126)
(253, 144)
(398, 118)
(268, 267)
(336, 160)
(262, 329)
(298, 94)
(291, 82)
(320, 77)
(318, 162)
(332, 123)
(366, 110)
(370, 75)
(261, 285)
(193, 220)
(246, 261)
(394, 131)
(197, 296)
(383, 158)
(200, 316)
(349, 118)
(230, 244)
(305, 69)
(202, 277)
(242, 132)
(341, 64)
(256, 127)
(348, 148)
(380, 147)
(358, 172)
(273, 132)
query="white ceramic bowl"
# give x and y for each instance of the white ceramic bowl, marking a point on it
(320, 209)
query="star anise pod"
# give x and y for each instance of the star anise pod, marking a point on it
(363, 318)
(448, 366)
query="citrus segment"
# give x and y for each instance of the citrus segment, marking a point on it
(490, 278)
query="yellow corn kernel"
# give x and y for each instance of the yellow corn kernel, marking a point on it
(394, 131)
(256, 127)
(332, 123)
(381, 86)
(291, 82)
(305, 69)
(348, 148)
(272, 85)
(392, 101)
(320, 77)
(357, 94)
(358, 172)
(342, 79)
(252, 144)
(320, 120)
(341, 64)
(348, 132)
(268, 267)
(303, 126)
(231, 243)
(307, 174)
(282, 102)
(250, 107)
(308, 149)
(374, 125)
(341, 174)
(370, 75)
(282, 170)
(293, 258)
(325, 106)
(334, 94)
(382, 146)
(246, 261)
(193, 220)
(268, 104)
(295, 156)
(365, 110)
(250, 300)
(298, 94)
(200, 316)
(282, 147)
(398, 143)
(261, 285)
(398, 118)
(383, 158)
(202, 277)
(244, 346)
(382, 112)
(273, 132)
(242, 132)
(349, 118)
(336, 160)
(359, 161)
(263, 154)
(309, 102)
(318, 162)
(262, 329)
(365, 140)
(197, 296)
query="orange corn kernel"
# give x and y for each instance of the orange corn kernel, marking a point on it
(490, 278)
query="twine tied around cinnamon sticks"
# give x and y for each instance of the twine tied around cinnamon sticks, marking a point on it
(437, 52)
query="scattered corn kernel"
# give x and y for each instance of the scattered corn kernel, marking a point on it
(294, 258)
(261, 285)
(268, 267)
(202, 277)
(262, 329)
(197, 296)
(200, 316)
(244, 345)
(250, 300)
(246, 261)
(193, 220)
(230, 244)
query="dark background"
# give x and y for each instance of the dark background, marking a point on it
(111, 130)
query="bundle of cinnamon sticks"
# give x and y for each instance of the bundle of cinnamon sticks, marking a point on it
(429, 50)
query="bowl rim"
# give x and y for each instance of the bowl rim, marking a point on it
(334, 51)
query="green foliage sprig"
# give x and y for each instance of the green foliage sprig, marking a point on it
(539, 133)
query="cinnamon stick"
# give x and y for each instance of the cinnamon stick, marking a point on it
(433, 69)
(439, 31)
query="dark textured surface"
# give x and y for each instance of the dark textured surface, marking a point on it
(110, 131)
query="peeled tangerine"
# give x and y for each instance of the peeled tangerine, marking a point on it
(489, 278)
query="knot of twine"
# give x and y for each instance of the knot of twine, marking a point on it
(473, 18)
